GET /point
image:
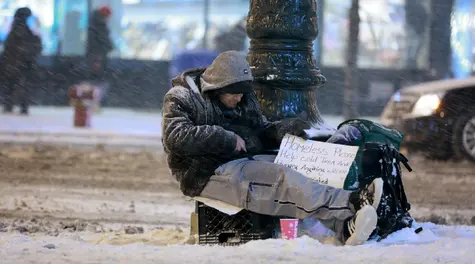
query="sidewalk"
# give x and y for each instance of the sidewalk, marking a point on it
(111, 127)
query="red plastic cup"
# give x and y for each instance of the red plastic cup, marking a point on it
(289, 228)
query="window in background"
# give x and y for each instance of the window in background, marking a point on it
(42, 9)
(334, 32)
(227, 30)
(157, 30)
(382, 34)
(70, 26)
(418, 15)
(463, 39)
(386, 40)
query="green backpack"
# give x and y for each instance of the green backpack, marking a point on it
(378, 156)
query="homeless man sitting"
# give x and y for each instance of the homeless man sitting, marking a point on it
(212, 122)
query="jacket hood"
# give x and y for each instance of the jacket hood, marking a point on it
(187, 79)
(21, 14)
(228, 68)
(97, 18)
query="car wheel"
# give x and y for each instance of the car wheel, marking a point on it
(463, 143)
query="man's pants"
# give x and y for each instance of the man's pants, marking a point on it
(264, 187)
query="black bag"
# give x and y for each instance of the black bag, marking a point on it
(378, 156)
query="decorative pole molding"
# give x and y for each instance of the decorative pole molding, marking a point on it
(281, 57)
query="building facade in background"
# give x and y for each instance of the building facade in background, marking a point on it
(159, 29)
(402, 42)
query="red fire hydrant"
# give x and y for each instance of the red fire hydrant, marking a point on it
(82, 99)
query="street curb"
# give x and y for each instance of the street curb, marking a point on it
(94, 140)
(85, 133)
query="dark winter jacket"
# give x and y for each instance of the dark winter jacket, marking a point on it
(198, 136)
(99, 42)
(21, 48)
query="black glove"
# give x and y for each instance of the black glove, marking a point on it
(294, 126)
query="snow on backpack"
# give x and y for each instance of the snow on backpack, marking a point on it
(378, 156)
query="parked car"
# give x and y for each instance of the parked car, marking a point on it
(437, 118)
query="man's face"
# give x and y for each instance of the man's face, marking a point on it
(230, 100)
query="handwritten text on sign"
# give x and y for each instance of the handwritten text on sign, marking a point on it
(326, 163)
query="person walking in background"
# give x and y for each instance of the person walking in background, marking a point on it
(21, 50)
(234, 39)
(416, 20)
(98, 44)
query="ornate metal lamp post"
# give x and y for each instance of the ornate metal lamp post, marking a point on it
(281, 57)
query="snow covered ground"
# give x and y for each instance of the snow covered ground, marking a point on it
(62, 205)
(59, 121)
(436, 244)
(55, 125)
(59, 205)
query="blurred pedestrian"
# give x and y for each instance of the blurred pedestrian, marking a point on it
(99, 43)
(234, 39)
(21, 50)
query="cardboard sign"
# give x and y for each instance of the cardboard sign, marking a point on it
(326, 163)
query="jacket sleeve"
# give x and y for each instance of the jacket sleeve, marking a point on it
(269, 135)
(99, 40)
(267, 130)
(106, 40)
(34, 49)
(181, 135)
(37, 46)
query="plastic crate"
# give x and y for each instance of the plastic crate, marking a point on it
(217, 228)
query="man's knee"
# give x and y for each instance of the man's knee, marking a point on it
(264, 172)
(266, 158)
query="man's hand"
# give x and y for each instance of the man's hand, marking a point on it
(240, 144)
